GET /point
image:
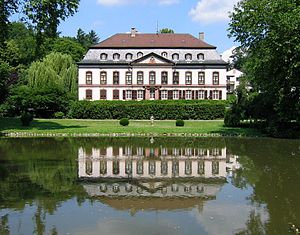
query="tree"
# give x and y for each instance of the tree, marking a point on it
(166, 30)
(268, 31)
(46, 15)
(4, 78)
(86, 40)
(7, 8)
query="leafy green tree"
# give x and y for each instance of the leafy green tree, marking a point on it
(7, 8)
(55, 69)
(268, 31)
(4, 78)
(86, 40)
(166, 30)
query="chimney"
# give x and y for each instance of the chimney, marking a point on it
(133, 32)
(201, 36)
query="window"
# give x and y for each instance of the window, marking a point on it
(152, 78)
(128, 56)
(128, 78)
(116, 56)
(116, 78)
(102, 94)
(140, 54)
(201, 78)
(215, 78)
(188, 56)
(103, 56)
(103, 78)
(188, 78)
(140, 78)
(164, 54)
(188, 95)
(164, 78)
(175, 95)
(89, 94)
(175, 56)
(200, 56)
(188, 167)
(116, 167)
(201, 167)
(201, 95)
(128, 95)
(175, 78)
(140, 94)
(116, 94)
(215, 95)
(103, 167)
(89, 78)
(164, 95)
(215, 168)
(152, 93)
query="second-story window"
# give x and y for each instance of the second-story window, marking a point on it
(140, 78)
(164, 78)
(103, 78)
(188, 78)
(201, 78)
(175, 78)
(128, 78)
(116, 78)
(89, 78)
(152, 78)
(215, 78)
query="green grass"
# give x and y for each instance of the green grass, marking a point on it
(72, 126)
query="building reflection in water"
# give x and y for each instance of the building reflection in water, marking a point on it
(160, 174)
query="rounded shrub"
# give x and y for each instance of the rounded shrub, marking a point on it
(26, 119)
(59, 115)
(179, 122)
(124, 122)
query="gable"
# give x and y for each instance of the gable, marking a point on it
(152, 59)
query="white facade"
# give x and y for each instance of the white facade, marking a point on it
(121, 73)
(233, 81)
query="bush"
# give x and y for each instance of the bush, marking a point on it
(124, 122)
(142, 110)
(232, 119)
(179, 122)
(59, 115)
(26, 119)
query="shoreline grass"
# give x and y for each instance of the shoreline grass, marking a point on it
(75, 127)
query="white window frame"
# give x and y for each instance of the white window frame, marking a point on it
(188, 78)
(140, 94)
(201, 78)
(164, 95)
(140, 77)
(201, 95)
(215, 95)
(188, 95)
(128, 78)
(128, 94)
(175, 95)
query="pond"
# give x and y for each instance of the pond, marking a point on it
(149, 186)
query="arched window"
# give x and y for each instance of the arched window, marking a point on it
(116, 56)
(175, 56)
(103, 56)
(128, 56)
(164, 54)
(140, 54)
(215, 78)
(88, 78)
(188, 56)
(103, 78)
(200, 56)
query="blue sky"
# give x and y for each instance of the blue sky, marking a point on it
(108, 17)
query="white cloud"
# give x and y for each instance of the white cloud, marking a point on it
(227, 54)
(211, 11)
(122, 2)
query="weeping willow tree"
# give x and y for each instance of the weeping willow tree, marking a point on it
(55, 70)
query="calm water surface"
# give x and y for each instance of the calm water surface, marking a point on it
(149, 186)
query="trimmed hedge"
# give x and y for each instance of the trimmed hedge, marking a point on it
(139, 110)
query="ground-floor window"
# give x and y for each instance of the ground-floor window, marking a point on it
(89, 94)
(140, 94)
(116, 94)
(201, 95)
(188, 95)
(164, 95)
(215, 95)
(175, 95)
(103, 95)
(128, 95)
(152, 93)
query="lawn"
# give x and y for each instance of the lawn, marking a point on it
(72, 126)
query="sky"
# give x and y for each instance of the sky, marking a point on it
(108, 17)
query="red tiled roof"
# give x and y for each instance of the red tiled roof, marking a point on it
(153, 41)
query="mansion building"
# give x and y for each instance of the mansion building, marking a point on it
(137, 66)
